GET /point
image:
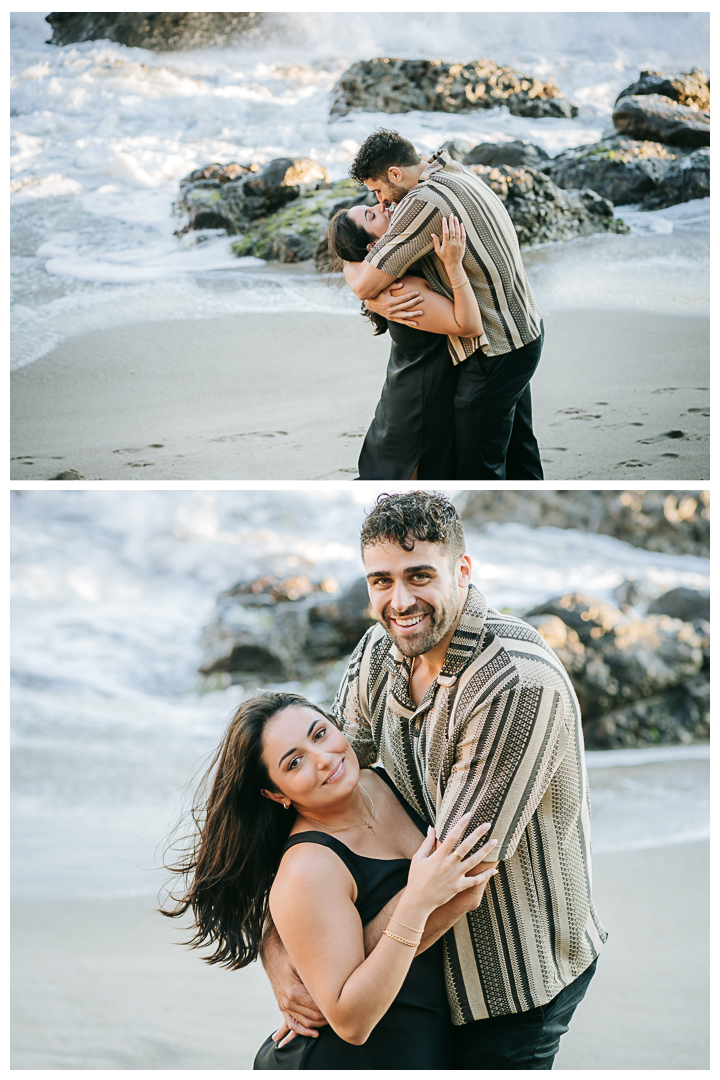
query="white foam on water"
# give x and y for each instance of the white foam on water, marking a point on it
(110, 592)
(103, 133)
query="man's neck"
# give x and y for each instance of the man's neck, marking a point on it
(429, 665)
(413, 173)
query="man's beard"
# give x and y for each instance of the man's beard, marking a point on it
(441, 621)
(396, 191)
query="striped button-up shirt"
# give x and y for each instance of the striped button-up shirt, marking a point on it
(492, 259)
(497, 734)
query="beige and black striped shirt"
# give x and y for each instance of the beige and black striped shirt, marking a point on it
(498, 734)
(492, 258)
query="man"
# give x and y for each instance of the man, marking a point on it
(493, 408)
(470, 711)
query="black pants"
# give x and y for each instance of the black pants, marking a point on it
(527, 1040)
(494, 438)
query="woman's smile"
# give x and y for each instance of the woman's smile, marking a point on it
(338, 773)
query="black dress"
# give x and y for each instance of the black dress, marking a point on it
(415, 418)
(415, 1032)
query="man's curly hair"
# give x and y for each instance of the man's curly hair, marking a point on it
(380, 151)
(413, 516)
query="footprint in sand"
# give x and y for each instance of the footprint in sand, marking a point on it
(702, 412)
(248, 434)
(674, 434)
(633, 464)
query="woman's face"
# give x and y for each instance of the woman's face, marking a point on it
(373, 219)
(308, 759)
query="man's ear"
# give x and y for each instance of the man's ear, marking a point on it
(395, 174)
(464, 571)
(370, 247)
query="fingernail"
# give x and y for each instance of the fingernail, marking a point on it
(492, 843)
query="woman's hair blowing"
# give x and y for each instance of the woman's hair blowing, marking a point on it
(348, 242)
(238, 838)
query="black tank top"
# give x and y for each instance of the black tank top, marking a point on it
(415, 1031)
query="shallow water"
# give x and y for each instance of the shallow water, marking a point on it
(110, 594)
(103, 133)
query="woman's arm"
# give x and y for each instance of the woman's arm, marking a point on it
(412, 302)
(312, 906)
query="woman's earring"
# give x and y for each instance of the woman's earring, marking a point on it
(286, 806)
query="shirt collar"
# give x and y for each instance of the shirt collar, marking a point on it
(438, 161)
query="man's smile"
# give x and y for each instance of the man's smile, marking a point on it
(409, 622)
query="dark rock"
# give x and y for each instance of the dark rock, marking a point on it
(638, 681)
(621, 170)
(661, 120)
(681, 603)
(299, 231)
(162, 31)
(68, 474)
(398, 86)
(516, 153)
(231, 196)
(676, 522)
(282, 629)
(691, 88)
(458, 147)
(679, 717)
(542, 212)
(687, 178)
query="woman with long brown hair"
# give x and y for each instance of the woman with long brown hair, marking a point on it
(290, 828)
(412, 436)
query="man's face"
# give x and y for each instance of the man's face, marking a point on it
(417, 595)
(392, 188)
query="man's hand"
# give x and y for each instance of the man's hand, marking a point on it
(395, 305)
(300, 1013)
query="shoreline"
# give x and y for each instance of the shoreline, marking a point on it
(619, 395)
(99, 984)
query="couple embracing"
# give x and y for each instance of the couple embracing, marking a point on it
(444, 274)
(414, 870)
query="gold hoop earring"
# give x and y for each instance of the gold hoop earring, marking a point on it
(286, 806)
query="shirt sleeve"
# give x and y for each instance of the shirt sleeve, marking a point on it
(408, 238)
(504, 759)
(350, 711)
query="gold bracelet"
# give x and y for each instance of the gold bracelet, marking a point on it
(459, 284)
(402, 940)
(393, 919)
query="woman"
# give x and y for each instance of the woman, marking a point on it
(293, 827)
(412, 436)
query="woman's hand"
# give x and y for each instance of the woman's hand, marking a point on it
(436, 876)
(401, 308)
(451, 247)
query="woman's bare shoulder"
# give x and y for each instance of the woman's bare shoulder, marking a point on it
(306, 868)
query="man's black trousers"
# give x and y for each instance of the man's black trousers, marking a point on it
(527, 1040)
(494, 438)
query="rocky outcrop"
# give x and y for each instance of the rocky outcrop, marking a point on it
(689, 88)
(162, 31)
(640, 681)
(542, 212)
(397, 86)
(283, 629)
(232, 196)
(676, 522)
(687, 178)
(299, 231)
(686, 604)
(516, 153)
(661, 120)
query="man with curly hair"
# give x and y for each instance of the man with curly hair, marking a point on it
(493, 407)
(470, 711)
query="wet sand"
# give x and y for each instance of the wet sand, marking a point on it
(618, 396)
(98, 985)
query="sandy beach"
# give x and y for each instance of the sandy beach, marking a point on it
(618, 396)
(98, 984)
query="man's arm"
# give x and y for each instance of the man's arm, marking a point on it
(439, 922)
(504, 759)
(407, 240)
(365, 281)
